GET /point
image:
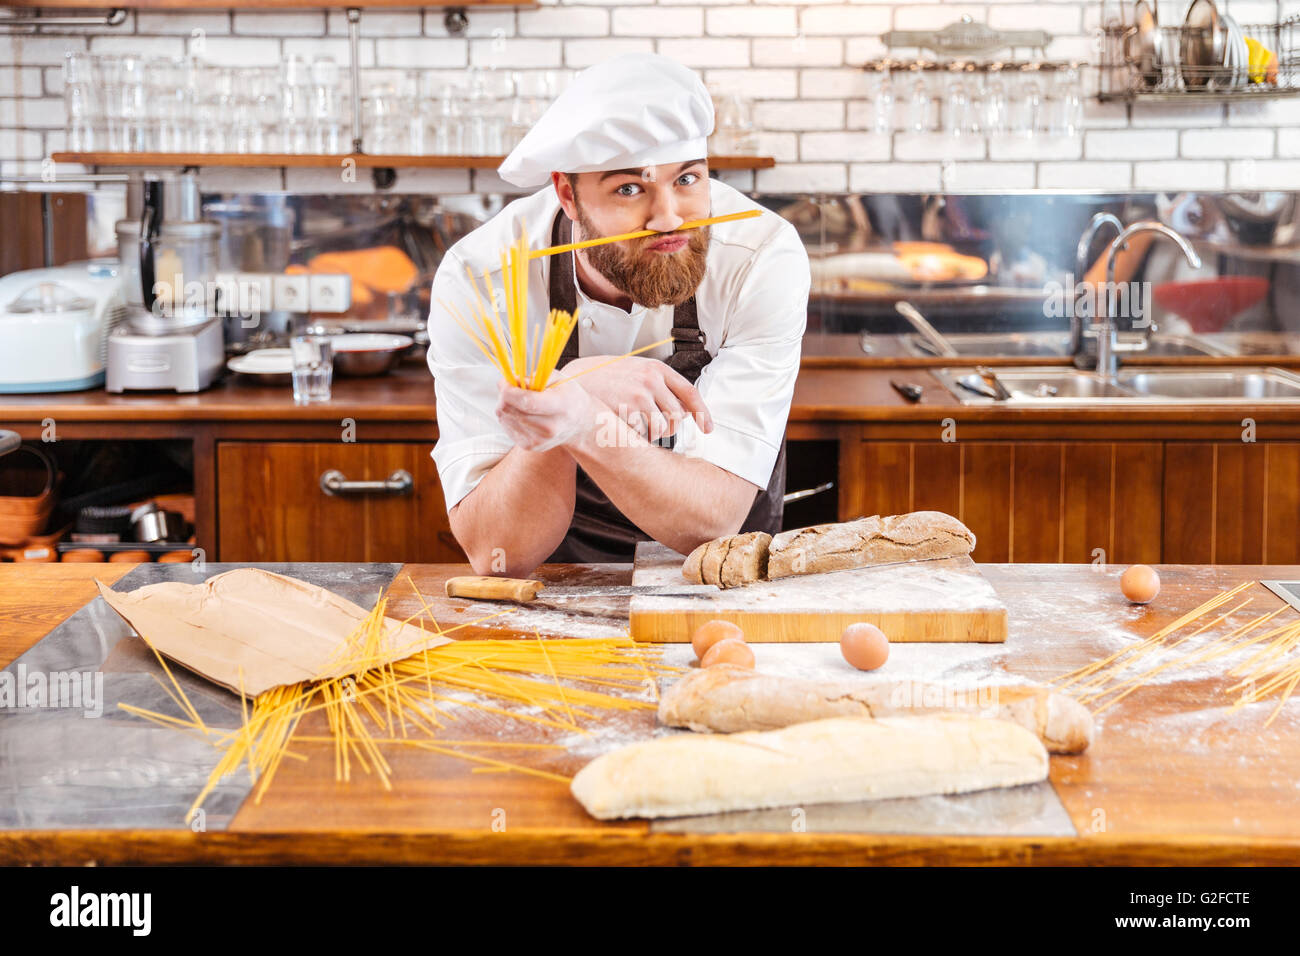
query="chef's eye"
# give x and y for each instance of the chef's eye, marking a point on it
(627, 189)
(688, 179)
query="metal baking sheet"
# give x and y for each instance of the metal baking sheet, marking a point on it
(88, 764)
(1288, 591)
(1030, 810)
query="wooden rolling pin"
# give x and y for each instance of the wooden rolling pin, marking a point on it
(483, 588)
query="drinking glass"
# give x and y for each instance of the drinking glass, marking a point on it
(881, 97)
(735, 133)
(385, 127)
(919, 101)
(490, 92)
(80, 102)
(1026, 103)
(956, 102)
(297, 99)
(991, 102)
(534, 92)
(313, 368)
(327, 114)
(449, 122)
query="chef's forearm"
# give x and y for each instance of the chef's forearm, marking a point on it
(679, 501)
(518, 513)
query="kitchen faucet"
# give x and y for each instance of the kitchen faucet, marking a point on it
(1107, 361)
(1081, 270)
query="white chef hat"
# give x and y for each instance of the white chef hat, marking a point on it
(639, 109)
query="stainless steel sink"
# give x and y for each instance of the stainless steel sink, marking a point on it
(1267, 384)
(1030, 344)
(1051, 387)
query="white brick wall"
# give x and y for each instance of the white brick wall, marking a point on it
(797, 59)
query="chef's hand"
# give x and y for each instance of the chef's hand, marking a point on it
(642, 391)
(540, 421)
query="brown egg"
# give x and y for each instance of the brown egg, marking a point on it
(730, 650)
(1140, 584)
(865, 646)
(710, 632)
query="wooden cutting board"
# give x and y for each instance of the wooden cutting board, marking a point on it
(918, 601)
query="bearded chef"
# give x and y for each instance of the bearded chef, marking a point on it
(683, 443)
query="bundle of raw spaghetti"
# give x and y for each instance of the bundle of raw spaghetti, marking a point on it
(1268, 671)
(527, 363)
(508, 348)
(409, 701)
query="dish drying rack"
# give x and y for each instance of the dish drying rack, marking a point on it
(1147, 62)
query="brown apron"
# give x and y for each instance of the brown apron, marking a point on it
(599, 531)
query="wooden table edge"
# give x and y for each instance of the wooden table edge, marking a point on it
(628, 847)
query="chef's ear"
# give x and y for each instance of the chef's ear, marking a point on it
(566, 191)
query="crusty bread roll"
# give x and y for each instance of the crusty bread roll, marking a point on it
(917, 536)
(740, 559)
(729, 699)
(729, 562)
(839, 760)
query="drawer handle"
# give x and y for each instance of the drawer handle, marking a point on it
(334, 482)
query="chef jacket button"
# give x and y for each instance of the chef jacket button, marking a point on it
(586, 323)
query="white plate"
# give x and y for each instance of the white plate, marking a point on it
(1236, 55)
(263, 362)
(370, 342)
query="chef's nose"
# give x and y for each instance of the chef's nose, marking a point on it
(664, 216)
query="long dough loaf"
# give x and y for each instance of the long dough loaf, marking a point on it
(838, 760)
(741, 559)
(728, 699)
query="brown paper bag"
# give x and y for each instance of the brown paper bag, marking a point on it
(257, 628)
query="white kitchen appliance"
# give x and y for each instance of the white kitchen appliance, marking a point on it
(55, 324)
(174, 339)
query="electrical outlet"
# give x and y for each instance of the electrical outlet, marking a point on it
(330, 292)
(290, 292)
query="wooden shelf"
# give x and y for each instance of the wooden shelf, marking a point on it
(261, 4)
(320, 161)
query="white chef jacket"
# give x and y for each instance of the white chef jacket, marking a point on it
(752, 306)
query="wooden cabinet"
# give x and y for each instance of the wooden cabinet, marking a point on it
(1232, 503)
(1138, 501)
(271, 506)
(1025, 501)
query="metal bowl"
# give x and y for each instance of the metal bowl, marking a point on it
(368, 353)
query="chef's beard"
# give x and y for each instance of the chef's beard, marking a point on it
(651, 278)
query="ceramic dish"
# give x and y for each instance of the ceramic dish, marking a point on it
(267, 366)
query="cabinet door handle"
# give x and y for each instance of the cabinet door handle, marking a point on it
(334, 482)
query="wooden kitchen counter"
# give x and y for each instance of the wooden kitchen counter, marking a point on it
(1172, 777)
(832, 389)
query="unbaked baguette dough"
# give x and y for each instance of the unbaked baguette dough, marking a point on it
(728, 699)
(740, 559)
(838, 760)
